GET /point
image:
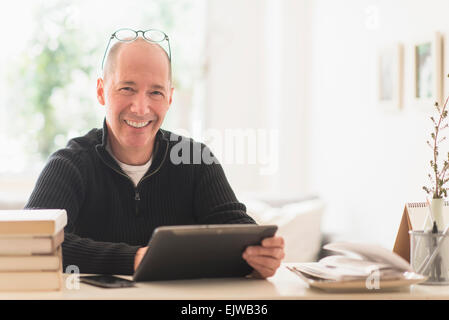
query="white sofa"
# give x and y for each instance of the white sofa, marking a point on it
(298, 221)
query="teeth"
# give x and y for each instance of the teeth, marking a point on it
(137, 124)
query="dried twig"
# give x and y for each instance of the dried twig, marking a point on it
(439, 179)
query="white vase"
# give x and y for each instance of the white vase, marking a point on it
(437, 212)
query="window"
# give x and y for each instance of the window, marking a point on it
(50, 60)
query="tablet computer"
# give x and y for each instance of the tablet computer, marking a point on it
(200, 251)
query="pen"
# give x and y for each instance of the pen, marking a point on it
(436, 270)
(430, 258)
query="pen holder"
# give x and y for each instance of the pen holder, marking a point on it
(429, 256)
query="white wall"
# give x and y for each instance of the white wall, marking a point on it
(235, 76)
(256, 82)
(335, 140)
(364, 161)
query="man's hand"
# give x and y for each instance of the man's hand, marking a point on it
(139, 255)
(265, 259)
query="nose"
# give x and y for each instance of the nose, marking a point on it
(140, 105)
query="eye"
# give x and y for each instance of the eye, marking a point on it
(157, 95)
(128, 89)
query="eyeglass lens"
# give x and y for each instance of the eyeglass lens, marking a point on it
(130, 35)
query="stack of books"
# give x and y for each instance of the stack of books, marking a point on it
(30, 249)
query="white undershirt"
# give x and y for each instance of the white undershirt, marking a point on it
(134, 172)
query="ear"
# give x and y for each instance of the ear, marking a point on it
(100, 91)
(171, 96)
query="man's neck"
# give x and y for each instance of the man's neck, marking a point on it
(130, 156)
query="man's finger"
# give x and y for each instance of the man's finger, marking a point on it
(261, 269)
(266, 262)
(276, 252)
(273, 242)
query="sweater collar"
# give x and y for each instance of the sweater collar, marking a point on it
(160, 150)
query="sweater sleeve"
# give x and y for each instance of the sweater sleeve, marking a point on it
(62, 185)
(215, 201)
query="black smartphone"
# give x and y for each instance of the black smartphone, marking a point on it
(107, 281)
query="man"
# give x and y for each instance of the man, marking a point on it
(118, 183)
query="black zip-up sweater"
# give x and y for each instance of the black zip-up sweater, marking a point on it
(109, 218)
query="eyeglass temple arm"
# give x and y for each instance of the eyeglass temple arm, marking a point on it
(106, 51)
(169, 49)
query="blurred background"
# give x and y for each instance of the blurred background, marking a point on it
(301, 76)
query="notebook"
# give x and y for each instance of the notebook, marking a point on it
(30, 244)
(33, 280)
(413, 218)
(43, 262)
(32, 222)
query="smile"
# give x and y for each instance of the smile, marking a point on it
(135, 124)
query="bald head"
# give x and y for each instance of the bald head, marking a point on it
(117, 48)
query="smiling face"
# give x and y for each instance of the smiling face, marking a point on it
(137, 93)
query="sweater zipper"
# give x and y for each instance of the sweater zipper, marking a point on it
(137, 199)
(136, 189)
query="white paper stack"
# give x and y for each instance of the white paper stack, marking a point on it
(355, 266)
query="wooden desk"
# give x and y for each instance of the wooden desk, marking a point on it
(284, 285)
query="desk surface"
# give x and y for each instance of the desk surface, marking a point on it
(283, 285)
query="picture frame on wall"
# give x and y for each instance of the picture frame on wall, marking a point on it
(428, 71)
(390, 75)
